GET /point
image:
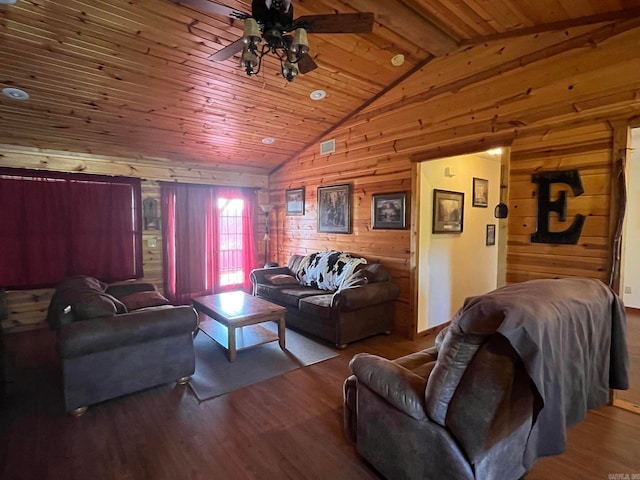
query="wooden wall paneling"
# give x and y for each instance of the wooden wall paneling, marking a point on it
(548, 102)
(28, 308)
(561, 151)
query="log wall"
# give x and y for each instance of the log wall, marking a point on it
(28, 308)
(552, 96)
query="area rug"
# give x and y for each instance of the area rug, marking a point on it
(215, 375)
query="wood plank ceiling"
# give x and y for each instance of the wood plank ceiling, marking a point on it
(132, 78)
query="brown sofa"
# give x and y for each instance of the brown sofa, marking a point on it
(118, 339)
(360, 305)
(514, 369)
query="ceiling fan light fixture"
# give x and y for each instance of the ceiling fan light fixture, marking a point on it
(289, 70)
(252, 32)
(300, 45)
(249, 60)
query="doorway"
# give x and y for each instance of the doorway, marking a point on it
(454, 266)
(630, 399)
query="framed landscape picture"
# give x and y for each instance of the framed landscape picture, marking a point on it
(388, 211)
(448, 211)
(334, 209)
(294, 201)
(480, 192)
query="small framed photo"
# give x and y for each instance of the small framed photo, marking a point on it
(294, 201)
(480, 192)
(334, 209)
(491, 235)
(389, 211)
(448, 211)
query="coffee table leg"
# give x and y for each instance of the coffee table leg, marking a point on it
(231, 341)
(281, 331)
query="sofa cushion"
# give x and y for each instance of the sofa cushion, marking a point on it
(375, 272)
(292, 295)
(139, 300)
(72, 290)
(267, 290)
(96, 304)
(317, 305)
(282, 279)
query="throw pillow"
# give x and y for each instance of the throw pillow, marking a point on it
(139, 300)
(282, 279)
(97, 304)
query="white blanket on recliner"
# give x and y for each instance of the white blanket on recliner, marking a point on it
(327, 270)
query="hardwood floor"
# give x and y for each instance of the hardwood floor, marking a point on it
(288, 427)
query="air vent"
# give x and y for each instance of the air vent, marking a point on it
(328, 147)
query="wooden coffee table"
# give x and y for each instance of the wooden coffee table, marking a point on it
(237, 316)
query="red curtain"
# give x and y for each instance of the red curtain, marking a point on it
(191, 220)
(56, 225)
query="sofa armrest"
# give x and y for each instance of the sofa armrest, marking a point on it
(121, 290)
(106, 333)
(257, 275)
(400, 387)
(355, 298)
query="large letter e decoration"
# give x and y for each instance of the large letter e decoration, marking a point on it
(559, 206)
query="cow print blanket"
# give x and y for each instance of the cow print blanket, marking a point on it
(327, 270)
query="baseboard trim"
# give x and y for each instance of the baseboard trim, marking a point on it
(433, 330)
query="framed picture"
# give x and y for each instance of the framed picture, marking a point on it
(334, 209)
(388, 210)
(491, 235)
(480, 192)
(294, 201)
(448, 211)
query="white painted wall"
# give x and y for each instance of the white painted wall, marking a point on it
(631, 254)
(452, 267)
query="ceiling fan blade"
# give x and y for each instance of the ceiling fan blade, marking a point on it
(228, 51)
(337, 23)
(307, 64)
(212, 7)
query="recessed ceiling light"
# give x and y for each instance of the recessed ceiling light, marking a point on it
(268, 140)
(397, 60)
(15, 93)
(317, 94)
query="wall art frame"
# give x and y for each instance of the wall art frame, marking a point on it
(334, 209)
(480, 193)
(389, 211)
(448, 211)
(294, 201)
(490, 237)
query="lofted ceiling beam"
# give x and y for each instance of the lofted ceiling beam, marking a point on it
(562, 25)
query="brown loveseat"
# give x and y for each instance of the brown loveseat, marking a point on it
(514, 369)
(118, 339)
(332, 295)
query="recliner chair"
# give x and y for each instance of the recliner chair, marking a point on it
(512, 371)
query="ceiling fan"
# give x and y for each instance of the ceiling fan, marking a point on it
(284, 37)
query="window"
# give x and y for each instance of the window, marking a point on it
(56, 225)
